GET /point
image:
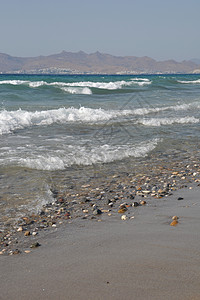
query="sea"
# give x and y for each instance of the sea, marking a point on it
(58, 131)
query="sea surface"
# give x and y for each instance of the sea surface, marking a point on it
(56, 131)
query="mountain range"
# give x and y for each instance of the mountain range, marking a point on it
(94, 63)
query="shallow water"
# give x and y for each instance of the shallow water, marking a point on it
(60, 130)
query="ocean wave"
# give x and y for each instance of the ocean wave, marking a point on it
(77, 90)
(84, 156)
(167, 121)
(112, 85)
(141, 81)
(12, 120)
(20, 119)
(189, 81)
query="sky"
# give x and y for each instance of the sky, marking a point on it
(156, 28)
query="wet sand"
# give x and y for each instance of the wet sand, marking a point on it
(140, 258)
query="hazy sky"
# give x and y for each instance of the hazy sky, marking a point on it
(157, 28)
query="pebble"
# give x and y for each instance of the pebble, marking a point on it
(97, 212)
(124, 217)
(175, 218)
(180, 198)
(135, 204)
(34, 233)
(122, 210)
(20, 229)
(27, 233)
(174, 223)
(27, 251)
(35, 245)
(143, 202)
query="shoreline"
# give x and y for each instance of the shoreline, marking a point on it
(81, 246)
(140, 258)
(120, 196)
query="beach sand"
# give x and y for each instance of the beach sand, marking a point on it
(140, 258)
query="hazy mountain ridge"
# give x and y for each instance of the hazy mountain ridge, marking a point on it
(81, 62)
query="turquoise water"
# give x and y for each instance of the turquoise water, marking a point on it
(52, 127)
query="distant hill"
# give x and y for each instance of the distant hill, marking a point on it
(196, 60)
(81, 62)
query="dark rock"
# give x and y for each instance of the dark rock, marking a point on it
(35, 245)
(135, 204)
(97, 212)
(180, 198)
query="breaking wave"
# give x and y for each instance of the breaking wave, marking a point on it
(189, 81)
(112, 85)
(20, 119)
(167, 121)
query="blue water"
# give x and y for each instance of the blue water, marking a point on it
(54, 126)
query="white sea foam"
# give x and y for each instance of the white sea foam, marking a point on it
(77, 90)
(14, 82)
(141, 81)
(189, 81)
(167, 121)
(12, 120)
(35, 84)
(112, 85)
(84, 156)
(19, 119)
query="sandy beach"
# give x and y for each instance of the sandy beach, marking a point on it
(139, 258)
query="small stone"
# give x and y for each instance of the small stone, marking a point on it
(53, 225)
(180, 198)
(16, 251)
(20, 229)
(160, 191)
(34, 233)
(124, 217)
(27, 233)
(35, 245)
(146, 192)
(97, 212)
(27, 251)
(174, 223)
(135, 204)
(132, 217)
(122, 210)
(143, 202)
(175, 218)
(174, 173)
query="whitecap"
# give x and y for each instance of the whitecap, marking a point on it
(189, 81)
(167, 121)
